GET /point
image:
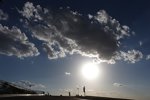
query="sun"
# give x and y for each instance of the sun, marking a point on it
(90, 71)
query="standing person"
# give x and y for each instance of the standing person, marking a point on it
(84, 90)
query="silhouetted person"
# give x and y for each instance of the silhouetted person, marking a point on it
(78, 91)
(84, 90)
(69, 94)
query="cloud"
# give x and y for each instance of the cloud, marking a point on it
(69, 32)
(53, 53)
(3, 16)
(140, 43)
(118, 85)
(67, 73)
(131, 55)
(15, 43)
(29, 85)
(90, 16)
(28, 10)
(112, 25)
(148, 57)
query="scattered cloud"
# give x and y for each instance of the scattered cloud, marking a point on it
(29, 85)
(67, 73)
(118, 85)
(131, 56)
(148, 57)
(14, 42)
(90, 16)
(140, 43)
(32, 62)
(68, 32)
(3, 16)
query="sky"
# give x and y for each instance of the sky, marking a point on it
(47, 42)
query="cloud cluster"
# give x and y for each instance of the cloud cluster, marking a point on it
(67, 32)
(3, 16)
(132, 56)
(29, 85)
(14, 42)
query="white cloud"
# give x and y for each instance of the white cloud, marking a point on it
(132, 56)
(118, 85)
(90, 16)
(140, 43)
(67, 73)
(148, 57)
(102, 17)
(30, 11)
(14, 42)
(3, 16)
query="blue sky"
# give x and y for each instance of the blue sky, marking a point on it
(47, 42)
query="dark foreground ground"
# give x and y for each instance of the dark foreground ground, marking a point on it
(57, 98)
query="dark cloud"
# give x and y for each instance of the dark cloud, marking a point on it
(68, 32)
(14, 42)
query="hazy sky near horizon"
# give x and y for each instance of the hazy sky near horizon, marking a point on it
(48, 41)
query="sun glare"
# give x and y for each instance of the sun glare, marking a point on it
(90, 71)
